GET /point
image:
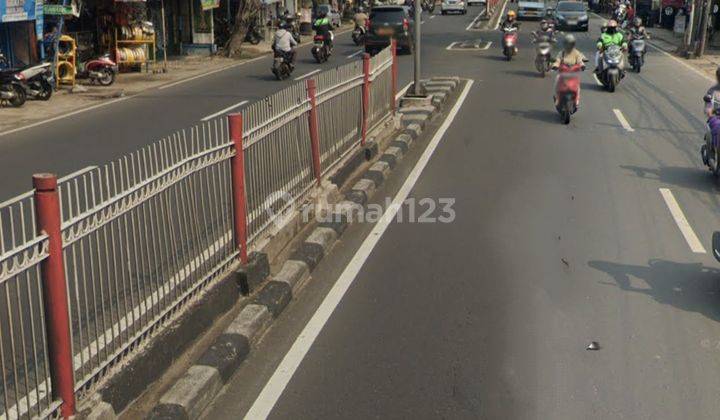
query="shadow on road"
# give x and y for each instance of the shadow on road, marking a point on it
(525, 73)
(691, 287)
(493, 57)
(687, 177)
(591, 87)
(544, 115)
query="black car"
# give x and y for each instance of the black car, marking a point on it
(571, 15)
(388, 22)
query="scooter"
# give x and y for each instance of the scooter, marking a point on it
(543, 51)
(612, 68)
(636, 57)
(282, 65)
(101, 70)
(11, 89)
(320, 50)
(37, 79)
(510, 36)
(567, 90)
(358, 35)
(709, 151)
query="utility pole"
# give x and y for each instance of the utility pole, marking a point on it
(417, 90)
(704, 23)
(687, 39)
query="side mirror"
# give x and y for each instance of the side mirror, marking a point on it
(707, 99)
(716, 245)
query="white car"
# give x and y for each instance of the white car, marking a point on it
(457, 6)
(479, 2)
(530, 10)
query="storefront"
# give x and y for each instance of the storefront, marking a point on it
(20, 31)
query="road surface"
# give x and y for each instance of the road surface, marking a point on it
(596, 231)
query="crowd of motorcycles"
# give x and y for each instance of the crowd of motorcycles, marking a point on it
(611, 65)
(37, 81)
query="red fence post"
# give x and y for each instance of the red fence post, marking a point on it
(237, 165)
(365, 96)
(394, 71)
(55, 301)
(313, 123)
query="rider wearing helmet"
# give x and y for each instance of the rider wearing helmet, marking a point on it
(284, 43)
(611, 35)
(545, 30)
(360, 18)
(510, 21)
(569, 55)
(638, 30)
(323, 27)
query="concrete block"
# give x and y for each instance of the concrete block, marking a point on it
(310, 253)
(190, 395)
(389, 159)
(292, 273)
(356, 196)
(348, 210)
(376, 177)
(325, 237)
(413, 130)
(250, 322)
(252, 274)
(365, 186)
(394, 151)
(400, 145)
(275, 296)
(382, 167)
(226, 354)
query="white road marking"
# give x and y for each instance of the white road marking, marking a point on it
(307, 74)
(272, 391)
(451, 47)
(452, 44)
(356, 53)
(487, 46)
(474, 21)
(502, 12)
(623, 121)
(221, 112)
(432, 17)
(681, 221)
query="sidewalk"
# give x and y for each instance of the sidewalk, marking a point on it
(670, 42)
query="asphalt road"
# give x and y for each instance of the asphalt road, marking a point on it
(564, 235)
(103, 134)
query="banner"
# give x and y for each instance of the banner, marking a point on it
(17, 10)
(209, 4)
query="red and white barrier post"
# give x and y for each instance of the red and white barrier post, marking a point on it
(394, 72)
(55, 300)
(365, 97)
(313, 124)
(237, 166)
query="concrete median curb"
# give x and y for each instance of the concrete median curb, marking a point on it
(194, 391)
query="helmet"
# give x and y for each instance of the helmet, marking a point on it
(284, 25)
(322, 13)
(544, 24)
(612, 26)
(637, 22)
(511, 14)
(569, 42)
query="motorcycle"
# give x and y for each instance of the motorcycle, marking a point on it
(11, 88)
(358, 35)
(709, 151)
(101, 70)
(254, 35)
(282, 65)
(636, 57)
(612, 68)
(543, 51)
(567, 90)
(509, 42)
(428, 6)
(320, 50)
(36, 80)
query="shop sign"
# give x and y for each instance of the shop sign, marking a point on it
(209, 4)
(39, 19)
(58, 9)
(17, 10)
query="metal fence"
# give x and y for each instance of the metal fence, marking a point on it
(143, 235)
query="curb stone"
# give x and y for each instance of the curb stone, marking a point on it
(194, 391)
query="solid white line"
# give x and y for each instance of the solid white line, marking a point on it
(211, 116)
(402, 91)
(681, 221)
(502, 12)
(452, 44)
(487, 46)
(474, 21)
(623, 121)
(307, 74)
(355, 54)
(272, 391)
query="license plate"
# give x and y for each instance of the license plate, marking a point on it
(385, 31)
(572, 22)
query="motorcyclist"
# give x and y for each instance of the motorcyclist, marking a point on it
(610, 36)
(323, 28)
(569, 56)
(284, 42)
(510, 21)
(360, 19)
(638, 30)
(545, 30)
(713, 95)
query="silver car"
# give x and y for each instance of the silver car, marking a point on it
(457, 6)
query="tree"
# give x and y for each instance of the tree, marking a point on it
(247, 14)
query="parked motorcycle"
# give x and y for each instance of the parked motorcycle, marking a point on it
(636, 56)
(509, 42)
(612, 68)
(101, 70)
(710, 151)
(543, 54)
(320, 50)
(428, 6)
(358, 35)
(36, 79)
(282, 65)
(567, 90)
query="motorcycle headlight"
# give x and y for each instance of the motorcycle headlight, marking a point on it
(583, 18)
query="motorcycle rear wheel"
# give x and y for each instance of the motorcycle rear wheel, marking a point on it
(106, 78)
(45, 91)
(20, 97)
